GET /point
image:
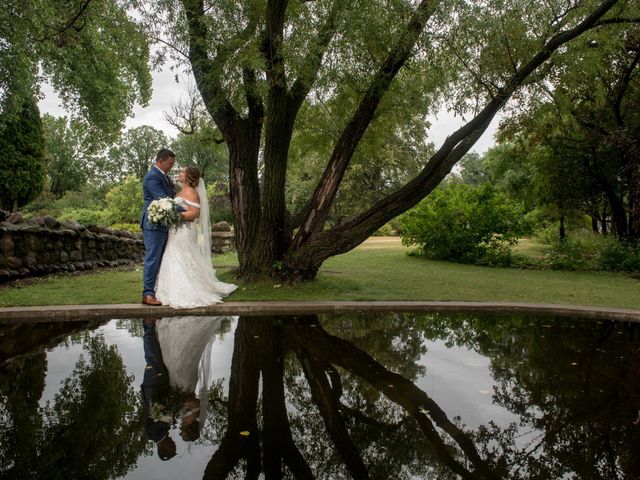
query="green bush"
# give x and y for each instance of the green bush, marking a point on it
(571, 254)
(586, 251)
(124, 201)
(88, 196)
(466, 224)
(386, 230)
(547, 234)
(128, 227)
(85, 216)
(616, 256)
(43, 204)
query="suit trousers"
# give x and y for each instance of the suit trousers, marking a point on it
(154, 243)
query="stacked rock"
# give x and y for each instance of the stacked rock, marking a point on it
(43, 245)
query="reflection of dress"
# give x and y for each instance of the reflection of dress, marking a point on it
(183, 341)
(186, 344)
(186, 277)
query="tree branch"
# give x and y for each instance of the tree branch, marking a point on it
(351, 233)
(327, 403)
(60, 31)
(320, 345)
(622, 89)
(207, 72)
(344, 149)
(311, 64)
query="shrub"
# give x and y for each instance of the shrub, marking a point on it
(571, 254)
(547, 234)
(385, 231)
(616, 256)
(464, 223)
(85, 216)
(587, 251)
(128, 227)
(124, 201)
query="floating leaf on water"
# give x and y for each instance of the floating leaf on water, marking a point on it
(244, 433)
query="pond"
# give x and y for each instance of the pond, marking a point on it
(401, 396)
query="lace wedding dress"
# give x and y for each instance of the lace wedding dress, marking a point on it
(186, 277)
(187, 345)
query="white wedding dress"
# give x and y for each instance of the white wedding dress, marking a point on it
(187, 344)
(186, 277)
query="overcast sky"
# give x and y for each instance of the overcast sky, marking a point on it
(167, 92)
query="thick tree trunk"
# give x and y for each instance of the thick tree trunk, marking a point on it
(634, 201)
(618, 214)
(243, 397)
(278, 130)
(262, 233)
(244, 192)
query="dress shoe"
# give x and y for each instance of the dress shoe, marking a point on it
(151, 300)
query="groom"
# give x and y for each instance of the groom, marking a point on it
(155, 185)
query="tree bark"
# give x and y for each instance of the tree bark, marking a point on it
(311, 247)
(324, 397)
(241, 438)
(264, 238)
(634, 200)
(327, 348)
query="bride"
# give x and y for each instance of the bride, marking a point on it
(186, 277)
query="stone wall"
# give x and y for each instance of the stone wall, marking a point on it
(43, 245)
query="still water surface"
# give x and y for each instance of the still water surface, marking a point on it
(393, 396)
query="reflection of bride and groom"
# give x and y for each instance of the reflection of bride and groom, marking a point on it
(177, 262)
(272, 439)
(177, 376)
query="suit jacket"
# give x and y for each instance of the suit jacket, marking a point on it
(155, 386)
(155, 185)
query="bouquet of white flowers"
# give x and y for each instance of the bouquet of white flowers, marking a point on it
(163, 212)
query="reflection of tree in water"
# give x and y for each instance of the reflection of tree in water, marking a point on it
(576, 393)
(91, 429)
(353, 414)
(397, 432)
(20, 388)
(388, 440)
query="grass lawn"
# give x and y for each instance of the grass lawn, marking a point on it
(377, 270)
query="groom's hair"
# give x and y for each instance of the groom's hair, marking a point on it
(164, 154)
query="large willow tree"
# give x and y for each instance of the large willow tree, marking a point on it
(257, 62)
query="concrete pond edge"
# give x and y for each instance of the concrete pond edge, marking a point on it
(55, 313)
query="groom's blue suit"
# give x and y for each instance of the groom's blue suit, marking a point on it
(155, 185)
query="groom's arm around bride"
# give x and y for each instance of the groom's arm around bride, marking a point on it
(155, 185)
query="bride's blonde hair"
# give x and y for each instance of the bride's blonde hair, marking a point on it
(191, 176)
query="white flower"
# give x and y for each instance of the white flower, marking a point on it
(163, 212)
